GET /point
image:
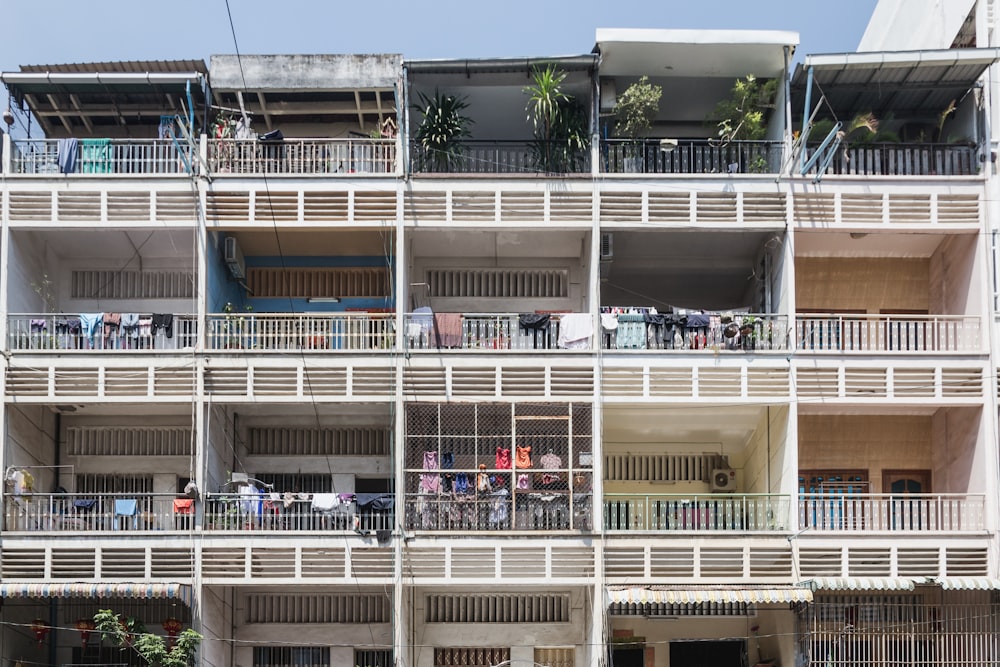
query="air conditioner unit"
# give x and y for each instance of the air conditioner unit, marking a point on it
(233, 257)
(724, 480)
(607, 246)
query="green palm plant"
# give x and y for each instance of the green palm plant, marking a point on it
(559, 121)
(441, 131)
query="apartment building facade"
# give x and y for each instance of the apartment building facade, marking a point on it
(280, 371)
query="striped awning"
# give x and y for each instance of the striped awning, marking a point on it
(969, 584)
(158, 591)
(860, 584)
(663, 595)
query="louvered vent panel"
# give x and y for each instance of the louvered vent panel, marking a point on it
(371, 563)
(661, 467)
(869, 562)
(918, 562)
(572, 561)
(126, 206)
(426, 206)
(571, 206)
(272, 562)
(123, 563)
(227, 206)
(22, 563)
(325, 381)
(767, 382)
(473, 381)
(79, 206)
(722, 562)
(372, 206)
(498, 283)
(30, 206)
(715, 207)
(522, 381)
(423, 381)
(719, 382)
(522, 562)
(128, 441)
(270, 206)
(961, 382)
(764, 208)
(913, 382)
(474, 206)
(958, 209)
(671, 382)
(325, 207)
(671, 562)
(419, 563)
(226, 381)
(472, 563)
(819, 562)
(275, 381)
(358, 608)
(522, 206)
(274, 441)
(74, 563)
(670, 207)
(77, 381)
(26, 382)
(171, 562)
(176, 206)
(960, 562)
(470, 657)
(770, 562)
(499, 608)
(859, 209)
(356, 282)
(865, 381)
(131, 285)
(223, 561)
(816, 382)
(814, 209)
(912, 209)
(621, 207)
(173, 381)
(571, 381)
(326, 562)
(625, 561)
(622, 382)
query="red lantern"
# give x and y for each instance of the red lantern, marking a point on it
(85, 626)
(172, 626)
(126, 628)
(41, 630)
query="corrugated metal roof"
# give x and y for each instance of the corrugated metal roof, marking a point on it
(861, 584)
(80, 590)
(500, 65)
(969, 584)
(901, 83)
(127, 66)
(694, 595)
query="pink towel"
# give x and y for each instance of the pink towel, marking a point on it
(448, 329)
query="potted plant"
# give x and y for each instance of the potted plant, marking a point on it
(441, 132)
(743, 117)
(560, 123)
(236, 332)
(635, 110)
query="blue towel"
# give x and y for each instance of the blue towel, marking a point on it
(67, 152)
(126, 507)
(84, 504)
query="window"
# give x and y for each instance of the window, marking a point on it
(372, 658)
(291, 656)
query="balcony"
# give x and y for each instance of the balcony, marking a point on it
(502, 157)
(743, 332)
(61, 333)
(91, 512)
(488, 331)
(301, 331)
(905, 160)
(499, 511)
(653, 156)
(887, 333)
(712, 513)
(302, 156)
(100, 156)
(302, 512)
(885, 513)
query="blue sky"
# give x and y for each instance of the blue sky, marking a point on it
(64, 31)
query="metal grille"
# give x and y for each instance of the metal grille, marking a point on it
(668, 610)
(509, 283)
(100, 483)
(552, 608)
(354, 608)
(373, 658)
(131, 285)
(273, 441)
(661, 467)
(298, 482)
(128, 441)
(354, 282)
(470, 657)
(555, 657)
(151, 612)
(291, 656)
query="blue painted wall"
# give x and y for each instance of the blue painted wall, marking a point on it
(222, 288)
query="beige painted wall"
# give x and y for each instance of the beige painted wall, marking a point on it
(766, 465)
(862, 283)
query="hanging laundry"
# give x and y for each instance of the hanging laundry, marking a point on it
(502, 458)
(522, 457)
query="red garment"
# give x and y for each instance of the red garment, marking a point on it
(183, 505)
(503, 458)
(522, 458)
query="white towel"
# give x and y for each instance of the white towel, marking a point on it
(325, 502)
(575, 330)
(609, 321)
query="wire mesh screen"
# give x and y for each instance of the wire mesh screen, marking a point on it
(470, 657)
(291, 656)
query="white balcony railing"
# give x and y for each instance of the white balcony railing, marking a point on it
(100, 156)
(93, 512)
(127, 332)
(499, 511)
(717, 513)
(741, 332)
(482, 331)
(301, 331)
(875, 512)
(302, 156)
(269, 512)
(888, 333)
